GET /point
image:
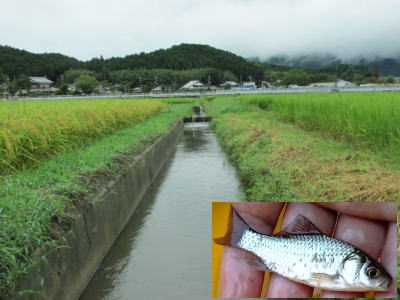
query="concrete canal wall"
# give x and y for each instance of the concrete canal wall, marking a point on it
(68, 269)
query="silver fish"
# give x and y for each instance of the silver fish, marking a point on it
(304, 254)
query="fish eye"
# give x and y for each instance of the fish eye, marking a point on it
(372, 272)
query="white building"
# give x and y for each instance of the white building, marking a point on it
(339, 83)
(249, 85)
(342, 83)
(71, 87)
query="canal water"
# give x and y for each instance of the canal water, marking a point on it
(164, 252)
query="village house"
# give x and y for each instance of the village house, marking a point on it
(229, 84)
(71, 87)
(157, 90)
(137, 90)
(101, 89)
(266, 84)
(40, 83)
(193, 85)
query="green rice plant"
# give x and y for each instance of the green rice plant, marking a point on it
(31, 131)
(367, 119)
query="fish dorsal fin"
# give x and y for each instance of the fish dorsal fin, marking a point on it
(300, 225)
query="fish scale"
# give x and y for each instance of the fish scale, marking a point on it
(287, 254)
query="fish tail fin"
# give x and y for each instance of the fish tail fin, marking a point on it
(236, 228)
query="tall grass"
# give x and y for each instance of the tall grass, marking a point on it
(366, 119)
(33, 130)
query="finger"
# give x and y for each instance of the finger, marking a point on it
(389, 261)
(385, 211)
(367, 235)
(238, 279)
(324, 219)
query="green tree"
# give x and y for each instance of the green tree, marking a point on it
(3, 78)
(322, 77)
(63, 90)
(229, 76)
(23, 83)
(72, 74)
(86, 84)
(296, 76)
(12, 88)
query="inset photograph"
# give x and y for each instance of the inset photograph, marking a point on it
(304, 250)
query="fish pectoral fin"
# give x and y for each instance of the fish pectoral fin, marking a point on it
(300, 225)
(256, 263)
(319, 278)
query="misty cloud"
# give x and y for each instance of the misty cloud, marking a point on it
(88, 28)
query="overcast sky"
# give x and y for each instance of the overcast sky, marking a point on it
(88, 28)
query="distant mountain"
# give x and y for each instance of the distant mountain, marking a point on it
(181, 57)
(386, 66)
(14, 62)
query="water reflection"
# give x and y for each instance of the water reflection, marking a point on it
(165, 247)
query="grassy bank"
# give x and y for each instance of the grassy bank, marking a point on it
(38, 206)
(281, 162)
(368, 120)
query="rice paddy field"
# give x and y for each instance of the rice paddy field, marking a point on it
(53, 156)
(33, 130)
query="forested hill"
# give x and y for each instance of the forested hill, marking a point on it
(180, 57)
(15, 62)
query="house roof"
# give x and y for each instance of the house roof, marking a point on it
(42, 80)
(192, 83)
(158, 88)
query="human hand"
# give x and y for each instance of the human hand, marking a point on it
(369, 226)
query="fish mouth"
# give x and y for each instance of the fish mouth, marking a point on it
(384, 287)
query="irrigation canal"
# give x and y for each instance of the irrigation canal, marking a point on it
(164, 252)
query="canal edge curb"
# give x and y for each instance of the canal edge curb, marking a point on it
(69, 269)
